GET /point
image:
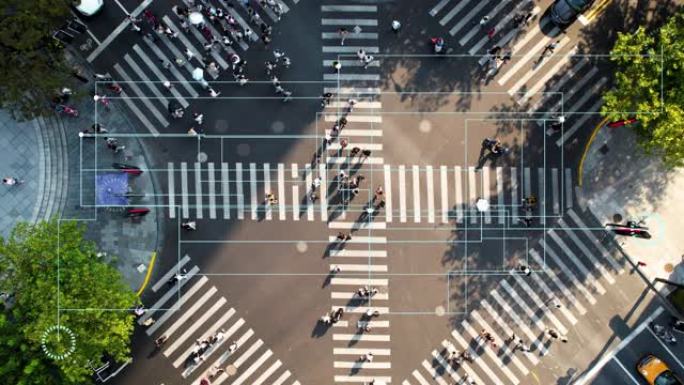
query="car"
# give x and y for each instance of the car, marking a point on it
(563, 12)
(656, 372)
(88, 7)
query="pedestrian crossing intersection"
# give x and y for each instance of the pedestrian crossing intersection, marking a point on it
(149, 99)
(571, 268)
(534, 78)
(417, 194)
(190, 311)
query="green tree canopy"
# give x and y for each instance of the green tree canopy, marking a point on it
(649, 83)
(49, 266)
(32, 65)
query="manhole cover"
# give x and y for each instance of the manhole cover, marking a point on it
(425, 126)
(440, 311)
(231, 370)
(669, 267)
(278, 127)
(243, 149)
(202, 157)
(617, 218)
(302, 246)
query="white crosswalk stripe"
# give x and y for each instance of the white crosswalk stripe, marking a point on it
(198, 315)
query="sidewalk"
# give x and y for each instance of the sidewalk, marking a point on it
(59, 168)
(619, 179)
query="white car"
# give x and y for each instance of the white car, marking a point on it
(88, 7)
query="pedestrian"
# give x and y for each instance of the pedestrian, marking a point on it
(316, 183)
(11, 181)
(190, 225)
(233, 346)
(342, 237)
(342, 32)
(484, 21)
(510, 339)
(365, 154)
(199, 118)
(527, 221)
(335, 269)
(344, 142)
(337, 66)
(355, 151)
(325, 99)
(564, 339)
(396, 26)
(102, 99)
(367, 61)
(189, 54)
(242, 79)
(286, 62)
(160, 341)
(552, 333)
(491, 32)
(361, 54)
(98, 128)
(215, 371)
(525, 270)
(165, 64)
(350, 105)
(550, 48)
(167, 84)
(192, 131)
(247, 33)
(368, 357)
(213, 93)
(342, 122)
(278, 54)
(378, 193)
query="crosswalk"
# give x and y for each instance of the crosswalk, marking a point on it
(141, 72)
(419, 194)
(541, 85)
(571, 266)
(353, 263)
(190, 310)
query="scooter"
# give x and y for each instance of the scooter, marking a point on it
(632, 229)
(66, 110)
(128, 169)
(663, 333)
(677, 325)
(136, 212)
(437, 44)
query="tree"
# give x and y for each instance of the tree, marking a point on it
(32, 65)
(649, 82)
(49, 266)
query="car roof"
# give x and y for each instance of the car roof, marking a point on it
(650, 367)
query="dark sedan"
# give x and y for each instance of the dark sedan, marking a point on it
(563, 12)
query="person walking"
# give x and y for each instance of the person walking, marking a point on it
(367, 60)
(550, 48)
(484, 21)
(342, 32)
(190, 225)
(11, 181)
(396, 26)
(198, 117)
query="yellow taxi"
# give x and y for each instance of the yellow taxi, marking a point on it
(656, 372)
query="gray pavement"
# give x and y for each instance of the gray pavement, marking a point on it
(21, 141)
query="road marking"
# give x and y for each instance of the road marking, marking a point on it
(148, 62)
(240, 191)
(546, 310)
(469, 371)
(507, 372)
(323, 174)
(363, 267)
(446, 366)
(212, 190)
(287, 373)
(361, 365)
(580, 122)
(568, 188)
(555, 190)
(485, 368)
(150, 127)
(190, 312)
(357, 225)
(453, 12)
(358, 351)
(534, 341)
(253, 190)
(148, 83)
(486, 193)
(571, 74)
(198, 190)
(522, 80)
(267, 187)
(168, 294)
(358, 253)
(175, 307)
(519, 8)
(568, 272)
(268, 372)
(175, 269)
(458, 187)
(351, 22)
(295, 192)
(362, 337)
(444, 193)
(538, 322)
(472, 191)
(468, 17)
(179, 78)
(591, 373)
(253, 368)
(504, 347)
(477, 29)
(553, 71)
(416, 194)
(361, 239)
(584, 228)
(514, 194)
(430, 193)
(402, 194)
(359, 281)
(225, 190)
(550, 297)
(589, 276)
(184, 190)
(388, 192)
(194, 325)
(438, 7)
(349, 8)
(172, 190)
(542, 195)
(504, 325)
(108, 40)
(281, 192)
(568, 294)
(594, 262)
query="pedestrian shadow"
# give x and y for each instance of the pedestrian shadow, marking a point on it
(330, 248)
(320, 330)
(154, 352)
(328, 279)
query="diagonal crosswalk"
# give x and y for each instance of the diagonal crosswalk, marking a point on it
(187, 317)
(142, 75)
(537, 79)
(526, 307)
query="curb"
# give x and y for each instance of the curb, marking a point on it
(580, 168)
(150, 267)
